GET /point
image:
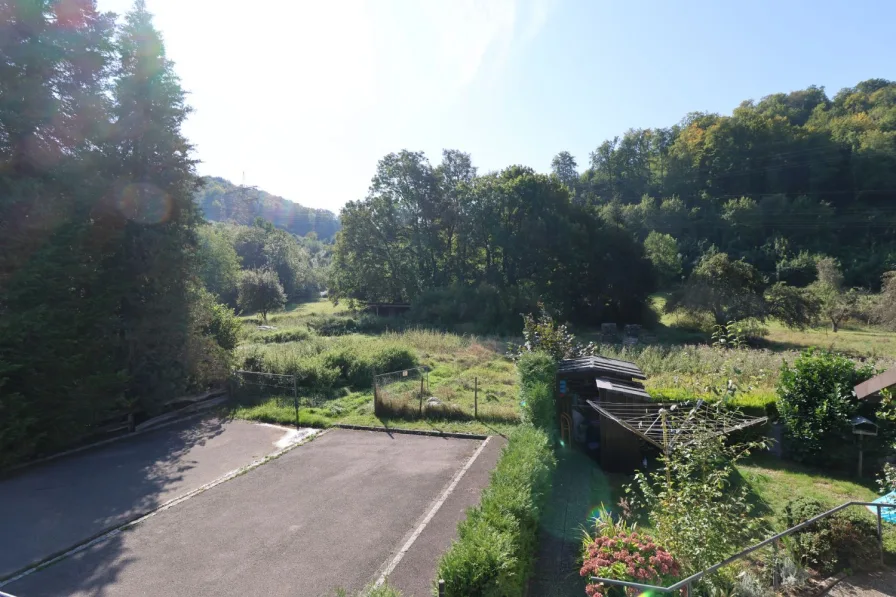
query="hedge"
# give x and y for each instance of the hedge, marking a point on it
(538, 371)
(496, 545)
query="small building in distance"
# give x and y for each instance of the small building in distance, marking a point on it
(600, 379)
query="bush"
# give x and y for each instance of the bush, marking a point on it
(844, 540)
(324, 364)
(496, 543)
(816, 402)
(697, 504)
(537, 371)
(294, 335)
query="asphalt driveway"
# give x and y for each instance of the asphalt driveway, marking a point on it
(327, 514)
(49, 507)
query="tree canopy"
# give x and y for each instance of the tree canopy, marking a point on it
(423, 227)
(790, 174)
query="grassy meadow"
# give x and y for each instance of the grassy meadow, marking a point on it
(334, 353)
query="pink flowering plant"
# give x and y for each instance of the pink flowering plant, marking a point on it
(619, 552)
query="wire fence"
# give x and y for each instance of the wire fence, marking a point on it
(253, 387)
(416, 393)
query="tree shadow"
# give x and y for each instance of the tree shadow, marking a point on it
(64, 503)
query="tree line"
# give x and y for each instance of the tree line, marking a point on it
(101, 309)
(782, 189)
(468, 247)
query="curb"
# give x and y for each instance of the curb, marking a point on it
(411, 431)
(141, 516)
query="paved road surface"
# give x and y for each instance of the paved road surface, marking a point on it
(415, 573)
(49, 507)
(871, 584)
(330, 513)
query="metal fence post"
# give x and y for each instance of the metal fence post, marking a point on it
(475, 397)
(421, 395)
(441, 588)
(775, 566)
(880, 534)
(295, 398)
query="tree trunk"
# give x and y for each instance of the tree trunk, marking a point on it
(834, 325)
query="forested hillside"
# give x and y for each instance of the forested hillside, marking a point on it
(223, 201)
(792, 173)
(737, 214)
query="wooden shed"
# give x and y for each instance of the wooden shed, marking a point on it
(600, 379)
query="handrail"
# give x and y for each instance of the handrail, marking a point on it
(694, 577)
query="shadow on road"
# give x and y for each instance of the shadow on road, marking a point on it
(51, 507)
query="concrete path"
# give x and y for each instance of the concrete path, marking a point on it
(416, 572)
(52, 506)
(328, 514)
(870, 584)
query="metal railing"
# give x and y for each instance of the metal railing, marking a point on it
(688, 582)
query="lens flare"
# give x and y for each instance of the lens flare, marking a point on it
(144, 203)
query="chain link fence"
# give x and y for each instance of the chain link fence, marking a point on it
(413, 393)
(253, 387)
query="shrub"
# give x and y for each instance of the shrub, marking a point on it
(294, 335)
(620, 553)
(844, 540)
(537, 371)
(496, 543)
(700, 510)
(816, 401)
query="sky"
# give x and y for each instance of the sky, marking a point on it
(301, 98)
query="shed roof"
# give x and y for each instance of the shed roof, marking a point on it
(622, 388)
(601, 365)
(877, 383)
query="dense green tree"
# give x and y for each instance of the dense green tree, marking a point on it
(260, 291)
(99, 309)
(794, 307)
(219, 264)
(662, 251)
(727, 289)
(564, 166)
(516, 231)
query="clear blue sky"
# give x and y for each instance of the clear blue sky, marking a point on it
(304, 96)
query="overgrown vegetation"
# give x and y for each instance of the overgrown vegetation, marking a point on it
(695, 503)
(817, 403)
(496, 543)
(334, 372)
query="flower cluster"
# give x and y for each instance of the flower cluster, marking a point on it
(626, 556)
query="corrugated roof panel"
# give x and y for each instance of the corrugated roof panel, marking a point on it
(601, 364)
